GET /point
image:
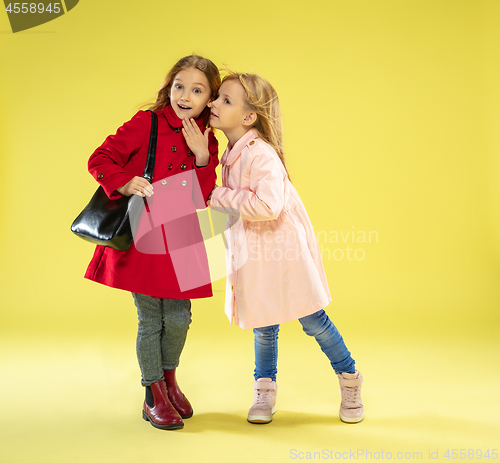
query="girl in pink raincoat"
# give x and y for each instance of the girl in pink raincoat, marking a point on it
(275, 272)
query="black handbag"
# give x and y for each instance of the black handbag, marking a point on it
(105, 221)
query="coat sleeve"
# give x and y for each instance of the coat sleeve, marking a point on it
(107, 162)
(265, 199)
(206, 174)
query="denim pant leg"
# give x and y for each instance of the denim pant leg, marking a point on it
(329, 339)
(161, 334)
(266, 352)
(176, 321)
(149, 312)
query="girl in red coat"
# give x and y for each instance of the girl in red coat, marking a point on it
(187, 150)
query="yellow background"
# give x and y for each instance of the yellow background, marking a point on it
(391, 125)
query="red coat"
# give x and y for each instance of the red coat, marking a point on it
(115, 163)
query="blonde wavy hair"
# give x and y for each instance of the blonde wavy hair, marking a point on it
(262, 99)
(204, 65)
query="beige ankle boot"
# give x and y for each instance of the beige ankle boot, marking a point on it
(264, 402)
(351, 408)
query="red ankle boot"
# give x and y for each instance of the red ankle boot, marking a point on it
(177, 398)
(158, 410)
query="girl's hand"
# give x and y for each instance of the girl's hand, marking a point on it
(210, 195)
(137, 186)
(197, 141)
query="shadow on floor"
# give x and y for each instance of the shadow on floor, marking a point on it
(237, 424)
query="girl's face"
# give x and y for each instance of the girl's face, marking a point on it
(229, 111)
(190, 93)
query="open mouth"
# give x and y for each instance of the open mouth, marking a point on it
(184, 108)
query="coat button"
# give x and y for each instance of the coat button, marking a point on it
(174, 148)
(170, 166)
(251, 143)
(184, 183)
(183, 166)
(232, 257)
(177, 129)
(100, 176)
(190, 153)
(163, 182)
(231, 288)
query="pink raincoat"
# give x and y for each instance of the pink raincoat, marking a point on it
(274, 267)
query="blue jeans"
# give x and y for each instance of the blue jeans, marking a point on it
(318, 325)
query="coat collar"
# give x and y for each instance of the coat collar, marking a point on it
(231, 154)
(174, 121)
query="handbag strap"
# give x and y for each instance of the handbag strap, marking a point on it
(150, 163)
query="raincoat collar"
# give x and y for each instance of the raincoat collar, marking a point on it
(230, 155)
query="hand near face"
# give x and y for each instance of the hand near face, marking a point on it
(197, 141)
